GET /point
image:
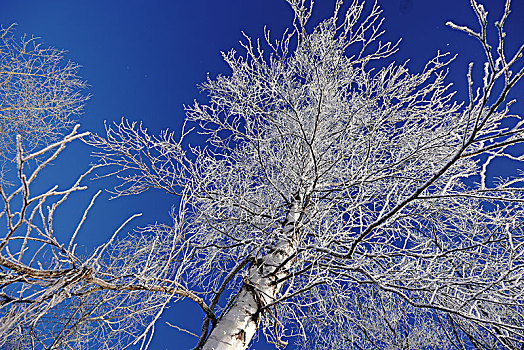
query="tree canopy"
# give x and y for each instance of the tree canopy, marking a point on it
(337, 201)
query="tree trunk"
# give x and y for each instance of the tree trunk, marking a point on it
(238, 325)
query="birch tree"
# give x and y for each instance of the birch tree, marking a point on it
(347, 203)
(338, 202)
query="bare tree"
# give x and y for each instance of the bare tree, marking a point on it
(40, 94)
(353, 207)
(339, 205)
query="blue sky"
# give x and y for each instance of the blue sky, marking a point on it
(143, 59)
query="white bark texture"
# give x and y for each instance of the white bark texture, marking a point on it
(239, 323)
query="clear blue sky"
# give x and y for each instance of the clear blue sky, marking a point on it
(143, 59)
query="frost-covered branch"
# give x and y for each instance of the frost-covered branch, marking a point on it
(41, 94)
(52, 296)
(349, 206)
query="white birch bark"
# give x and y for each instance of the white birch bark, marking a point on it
(238, 325)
